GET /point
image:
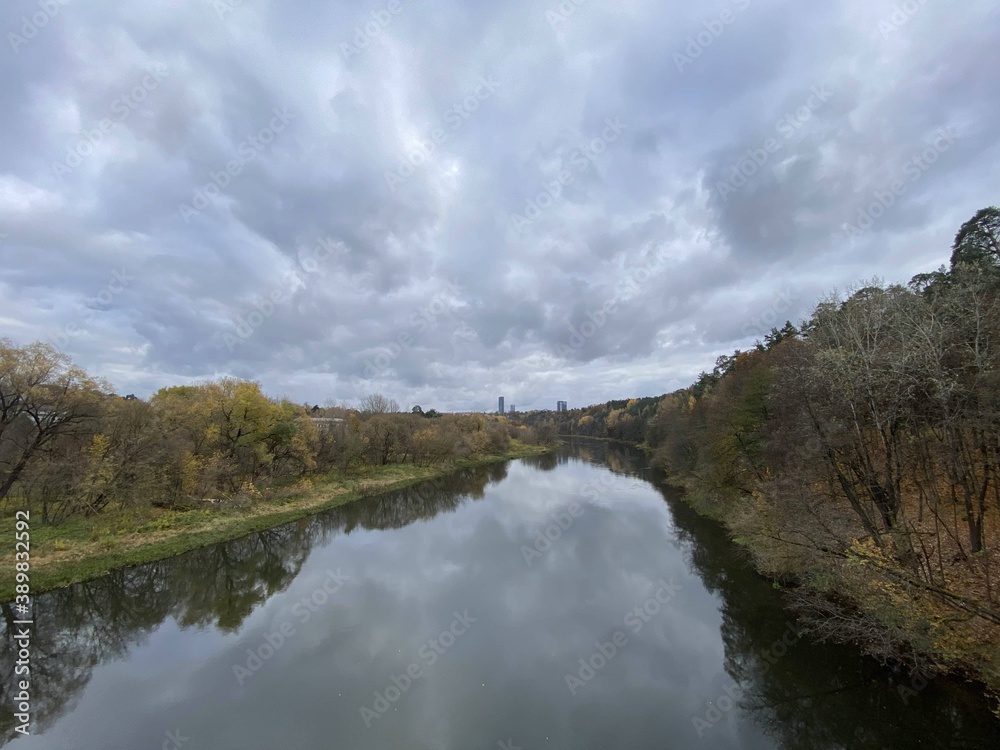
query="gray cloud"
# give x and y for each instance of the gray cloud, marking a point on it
(79, 91)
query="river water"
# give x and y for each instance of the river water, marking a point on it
(564, 601)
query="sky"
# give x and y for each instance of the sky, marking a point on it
(451, 201)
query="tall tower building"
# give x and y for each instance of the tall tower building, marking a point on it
(500, 409)
(561, 406)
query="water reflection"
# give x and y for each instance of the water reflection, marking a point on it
(416, 556)
(820, 696)
(82, 626)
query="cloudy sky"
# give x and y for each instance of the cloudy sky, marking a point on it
(449, 201)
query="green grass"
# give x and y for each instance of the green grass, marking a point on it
(83, 548)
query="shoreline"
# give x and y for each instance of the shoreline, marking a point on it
(81, 549)
(957, 666)
(641, 446)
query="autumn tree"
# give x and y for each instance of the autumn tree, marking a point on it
(43, 396)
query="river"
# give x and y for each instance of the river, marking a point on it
(565, 601)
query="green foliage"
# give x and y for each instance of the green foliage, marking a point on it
(978, 241)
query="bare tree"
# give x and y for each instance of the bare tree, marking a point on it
(376, 403)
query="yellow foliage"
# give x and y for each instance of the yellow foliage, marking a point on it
(191, 470)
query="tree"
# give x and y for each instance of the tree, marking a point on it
(43, 395)
(978, 241)
(855, 388)
(547, 434)
(121, 461)
(376, 403)
(386, 439)
(417, 410)
(776, 336)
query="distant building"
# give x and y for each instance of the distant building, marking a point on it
(561, 406)
(512, 408)
(328, 423)
(500, 410)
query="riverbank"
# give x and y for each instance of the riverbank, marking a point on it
(84, 548)
(641, 446)
(864, 596)
(860, 594)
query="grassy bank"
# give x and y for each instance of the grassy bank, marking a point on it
(84, 548)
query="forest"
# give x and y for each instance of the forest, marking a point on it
(856, 456)
(70, 447)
